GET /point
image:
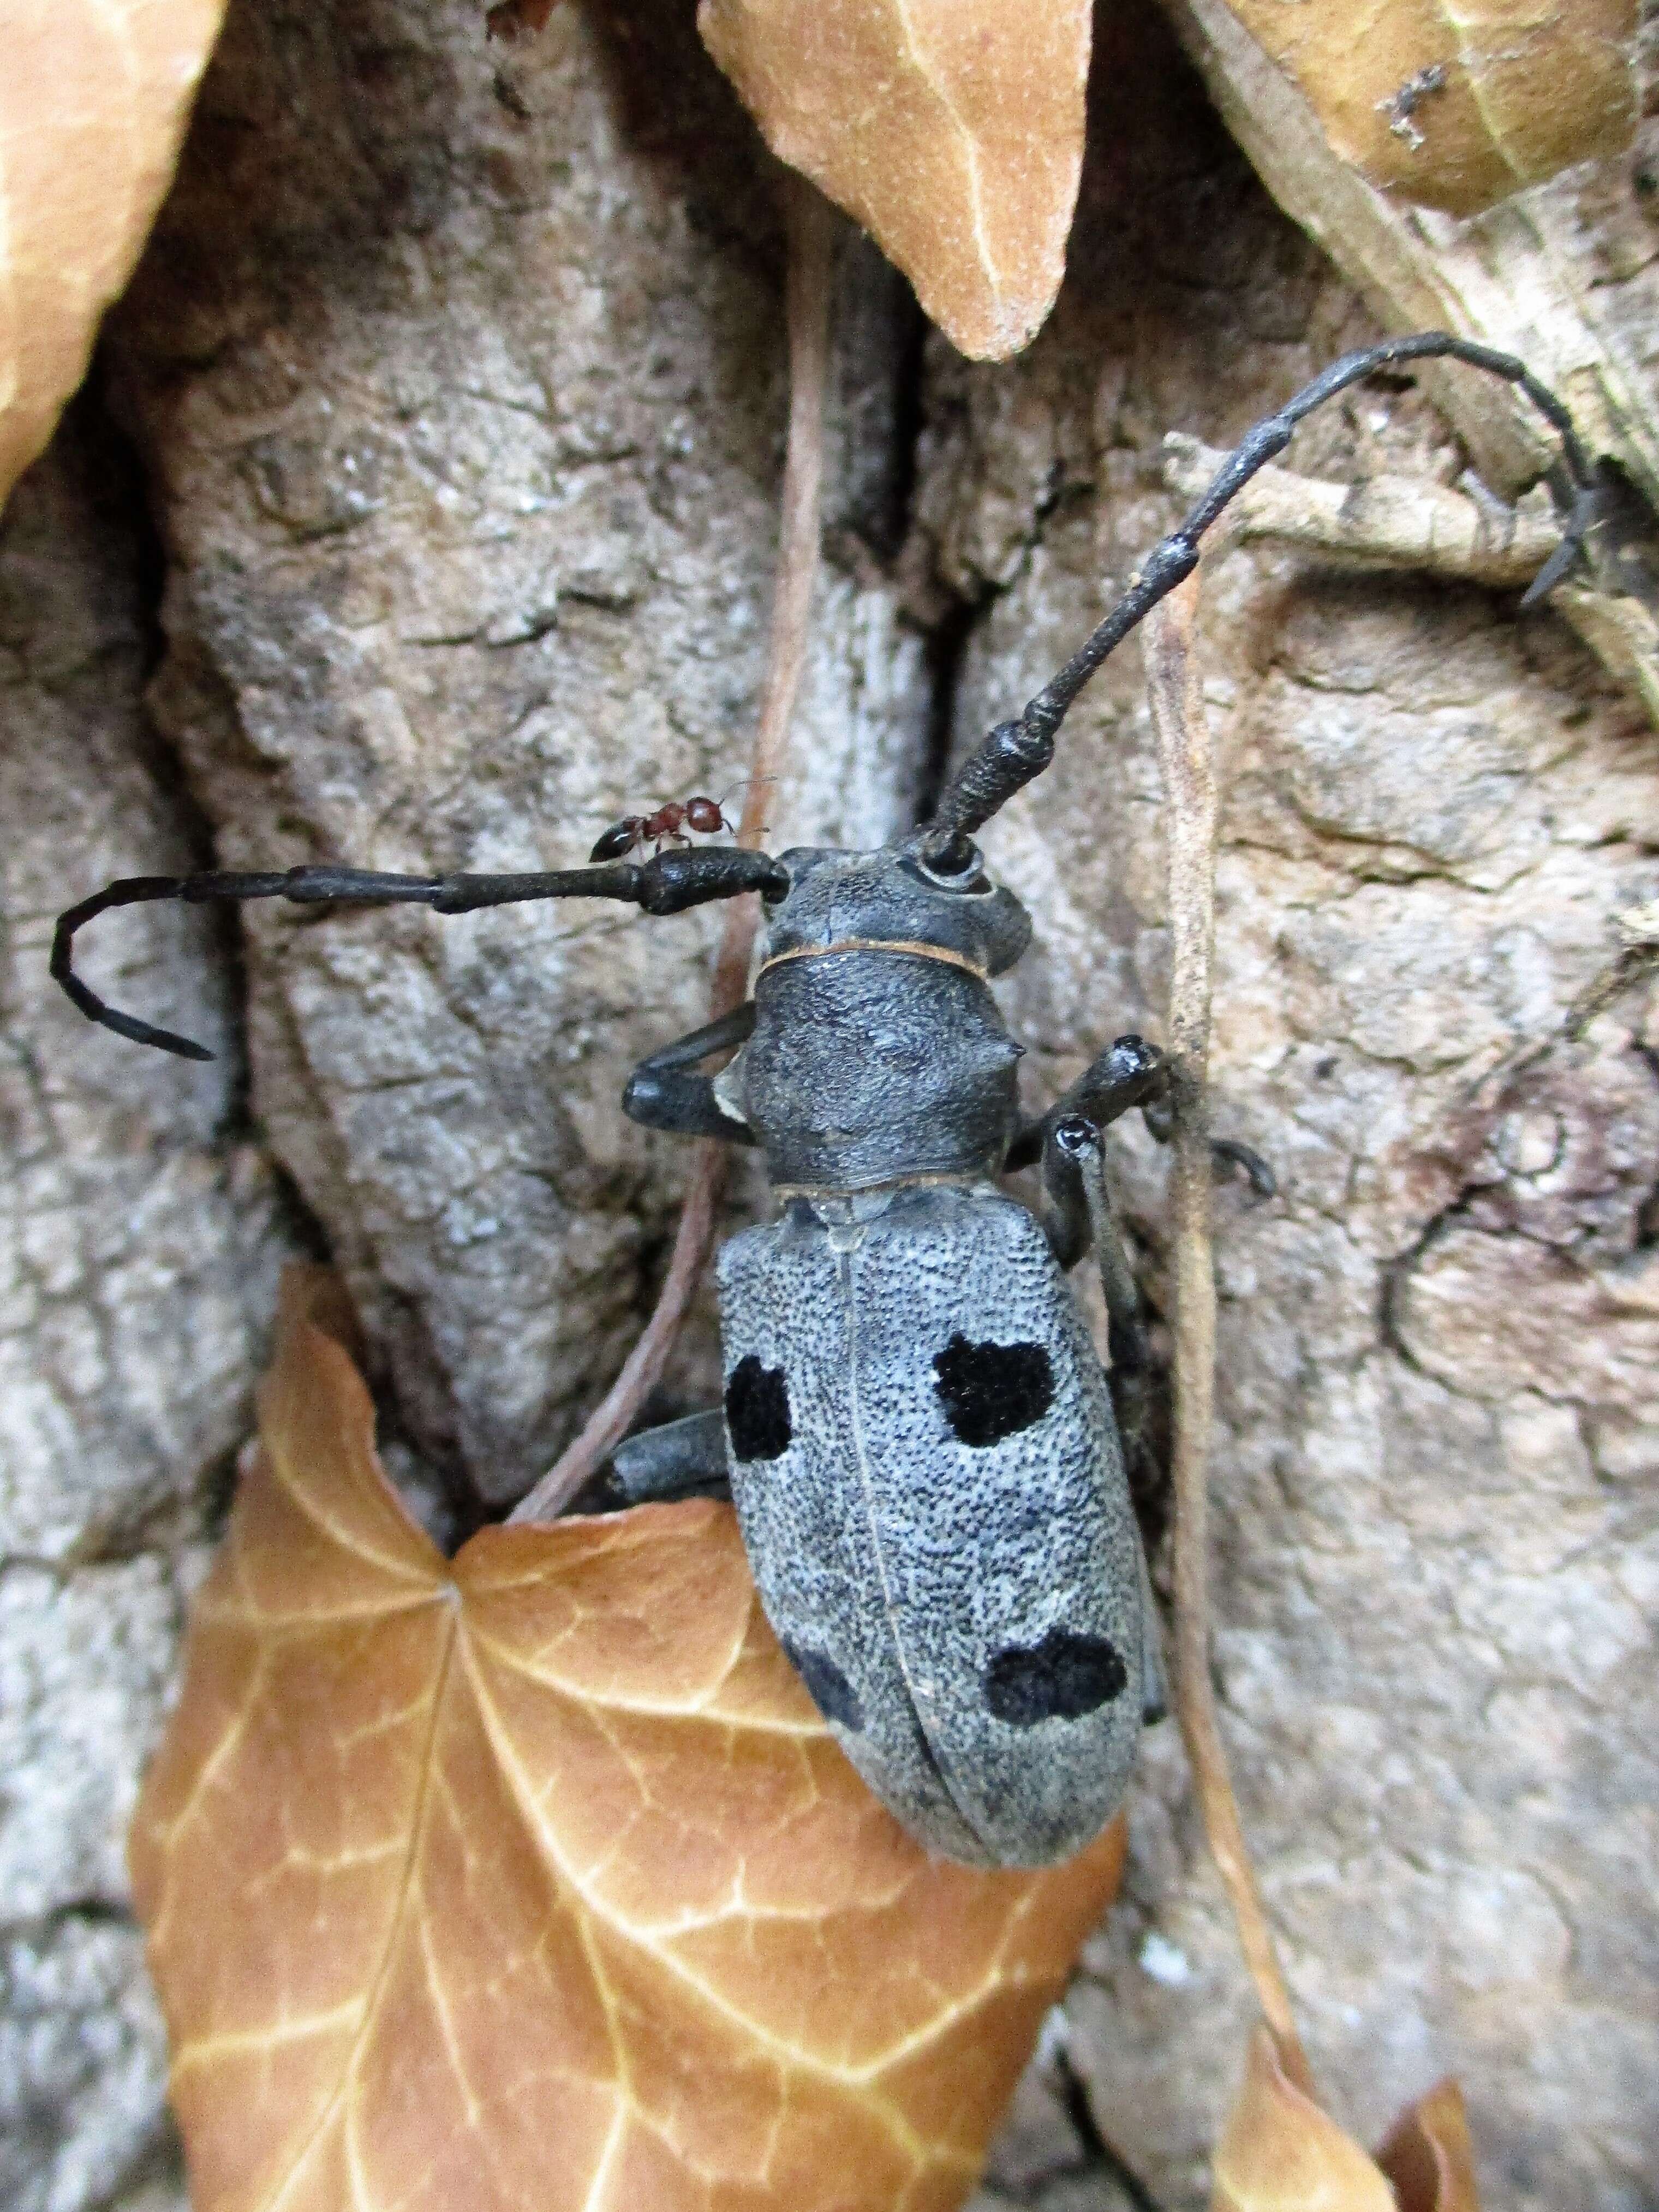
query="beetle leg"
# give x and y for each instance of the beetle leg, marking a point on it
(663, 1094)
(1226, 1153)
(1131, 1072)
(682, 1458)
(1074, 1174)
(1128, 1073)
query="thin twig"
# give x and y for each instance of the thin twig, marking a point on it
(812, 234)
(1183, 739)
(1402, 523)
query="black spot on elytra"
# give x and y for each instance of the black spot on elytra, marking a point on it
(1060, 1679)
(832, 1693)
(990, 1391)
(757, 1410)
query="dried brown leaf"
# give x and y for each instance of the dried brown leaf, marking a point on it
(952, 129)
(1280, 2153)
(1459, 105)
(93, 99)
(1428, 2156)
(532, 1879)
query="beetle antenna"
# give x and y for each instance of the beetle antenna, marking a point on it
(668, 884)
(1017, 750)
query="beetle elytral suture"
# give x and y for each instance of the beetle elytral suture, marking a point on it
(927, 1462)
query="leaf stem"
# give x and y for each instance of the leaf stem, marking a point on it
(812, 234)
(1184, 748)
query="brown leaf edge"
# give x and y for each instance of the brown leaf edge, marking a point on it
(1457, 110)
(377, 1987)
(1428, 2156)
(952, 130)
(93, 107)
(1280, 2153)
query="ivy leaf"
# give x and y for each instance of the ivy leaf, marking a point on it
(1279, 2152)
(952, 129)
(1428, 2156)
(1459, 106)
(531, 1880)
(93, 100)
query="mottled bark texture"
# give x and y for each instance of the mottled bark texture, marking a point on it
(457, 372)
(141, 1233)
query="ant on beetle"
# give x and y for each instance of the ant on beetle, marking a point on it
(635, 831)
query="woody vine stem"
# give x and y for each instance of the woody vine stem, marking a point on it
(812, 234)
(1182, 730)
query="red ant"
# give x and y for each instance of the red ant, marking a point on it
(635, 831)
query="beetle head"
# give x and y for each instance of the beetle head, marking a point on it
(895, 896)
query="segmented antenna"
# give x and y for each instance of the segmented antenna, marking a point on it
(668, 884)
(1017, 750)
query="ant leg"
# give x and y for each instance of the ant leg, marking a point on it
(662, 1095)
(681, 1459)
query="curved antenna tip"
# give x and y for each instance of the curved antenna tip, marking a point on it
(141, 1032)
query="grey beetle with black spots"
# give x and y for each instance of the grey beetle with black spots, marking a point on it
(926, 1454)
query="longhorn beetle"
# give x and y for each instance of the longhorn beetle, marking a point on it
(916, 1432)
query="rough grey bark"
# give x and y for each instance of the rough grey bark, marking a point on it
(140, 1237)
(457, 370)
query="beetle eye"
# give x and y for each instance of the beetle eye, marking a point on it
(958, 867)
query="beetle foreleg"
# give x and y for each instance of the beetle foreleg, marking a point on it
(1129, 1072)
(681, 1459)
(663, 1094)
(1075, 1173)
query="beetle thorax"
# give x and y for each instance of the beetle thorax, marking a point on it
(878, 1056)
(890, 897)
